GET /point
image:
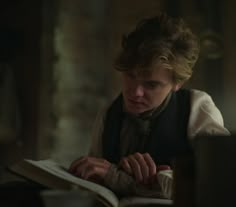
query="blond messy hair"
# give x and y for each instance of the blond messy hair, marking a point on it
(162, 39)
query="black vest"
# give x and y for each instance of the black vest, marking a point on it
(168, 136)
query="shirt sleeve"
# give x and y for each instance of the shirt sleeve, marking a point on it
(125, 185)
(165, 179)
(205, 118)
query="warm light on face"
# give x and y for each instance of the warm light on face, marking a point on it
(145, 90)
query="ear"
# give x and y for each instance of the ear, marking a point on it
(177, 86)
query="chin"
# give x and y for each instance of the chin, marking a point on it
(134, 110)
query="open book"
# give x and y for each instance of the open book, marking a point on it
(53, 175)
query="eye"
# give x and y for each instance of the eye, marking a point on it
(152, 85)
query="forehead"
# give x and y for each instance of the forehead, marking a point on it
(155, 72)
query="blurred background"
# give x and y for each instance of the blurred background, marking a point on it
(56, 69)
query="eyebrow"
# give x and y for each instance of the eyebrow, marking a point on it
(155, 82)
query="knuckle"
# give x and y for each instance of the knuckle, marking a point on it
(146, 154)
(105, 162)
(86, 159)
(137, 154)
(123, 162)
(130, 157)
(123, 159)
(91, 168)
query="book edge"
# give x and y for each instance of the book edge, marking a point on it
(51, 179)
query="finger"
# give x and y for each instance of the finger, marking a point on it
(80, 169)
(94, 171)
(75, 163)
(99, 162)
(136, 170)
(79, 165)
(124, 164)
(150, 163)
(97, 169)
(83, 160)
(144, 168)
(91, 164)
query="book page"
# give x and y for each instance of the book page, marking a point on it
(57, 170)
(139, 201)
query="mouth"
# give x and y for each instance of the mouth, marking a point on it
(135, 106)
(136, 103)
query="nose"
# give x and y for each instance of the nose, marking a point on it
(139, 90)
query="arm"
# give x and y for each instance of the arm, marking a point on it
(205, 118)
(94, 167)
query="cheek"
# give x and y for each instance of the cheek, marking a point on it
(126, 85)
(157, 97)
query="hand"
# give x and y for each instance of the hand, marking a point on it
(141, 166)
(90, 168)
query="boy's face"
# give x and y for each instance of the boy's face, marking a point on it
(146, 90)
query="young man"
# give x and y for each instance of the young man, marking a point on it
(153, 119)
